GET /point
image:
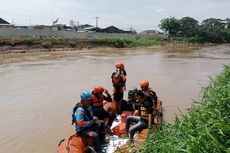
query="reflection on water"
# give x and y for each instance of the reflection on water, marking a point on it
(38, 90)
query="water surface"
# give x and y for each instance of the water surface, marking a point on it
(38, 90)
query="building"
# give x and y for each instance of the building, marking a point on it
(153, 34)
(149, 32)
(112, 29)
(83, 27)
(42, 27)
(5, 24)
(92, 29)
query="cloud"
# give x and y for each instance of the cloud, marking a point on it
(136, 13)
(159, 10)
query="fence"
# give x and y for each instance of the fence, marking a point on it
(10, 32)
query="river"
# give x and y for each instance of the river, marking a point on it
(38, 90)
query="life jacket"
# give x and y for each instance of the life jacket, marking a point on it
(97, 102)
(143, 111)
(156, 114)
(118, 81)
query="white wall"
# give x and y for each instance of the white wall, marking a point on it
(4, 32)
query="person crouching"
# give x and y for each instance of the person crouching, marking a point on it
(97, 104)
(86, 123)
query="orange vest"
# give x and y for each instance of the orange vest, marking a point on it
(97, 102)
(119, 79)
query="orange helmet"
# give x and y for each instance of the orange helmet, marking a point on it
(98, 89)
(144, 83)
(119, 65)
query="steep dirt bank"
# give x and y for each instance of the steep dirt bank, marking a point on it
(23, 45)
(47, 44)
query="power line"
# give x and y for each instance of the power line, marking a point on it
(105, 22)
(41, 17)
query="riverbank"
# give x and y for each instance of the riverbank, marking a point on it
(52, 44)
(46, 44)
(205, 128)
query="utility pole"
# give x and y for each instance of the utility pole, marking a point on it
(131, 28)
(12, 22)
(97, 21)
(52, 18)
(30, 20)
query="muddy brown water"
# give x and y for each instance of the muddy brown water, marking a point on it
(38, 90)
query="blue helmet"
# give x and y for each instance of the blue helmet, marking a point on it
(86, 95)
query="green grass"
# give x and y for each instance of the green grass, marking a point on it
(126, 42)
(46, 44)
(29, 41)
(122, 42)
(204, 129)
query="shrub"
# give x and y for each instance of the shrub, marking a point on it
(119, 43)
(72, 44)
(205, 128)
(46, 44)
(29, 41)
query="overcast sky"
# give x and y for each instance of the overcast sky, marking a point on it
(139, 14)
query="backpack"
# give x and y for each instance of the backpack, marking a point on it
(73, 112)
(131, 94)
(75, 109)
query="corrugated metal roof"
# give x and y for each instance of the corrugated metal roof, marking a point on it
(3, 21)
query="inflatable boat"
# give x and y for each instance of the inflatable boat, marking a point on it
(74, 144)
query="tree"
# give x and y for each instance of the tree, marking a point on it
(170, 26)
(226, 32)
(189, 26)
(227, 23)
(213, 29)
(213, 24)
